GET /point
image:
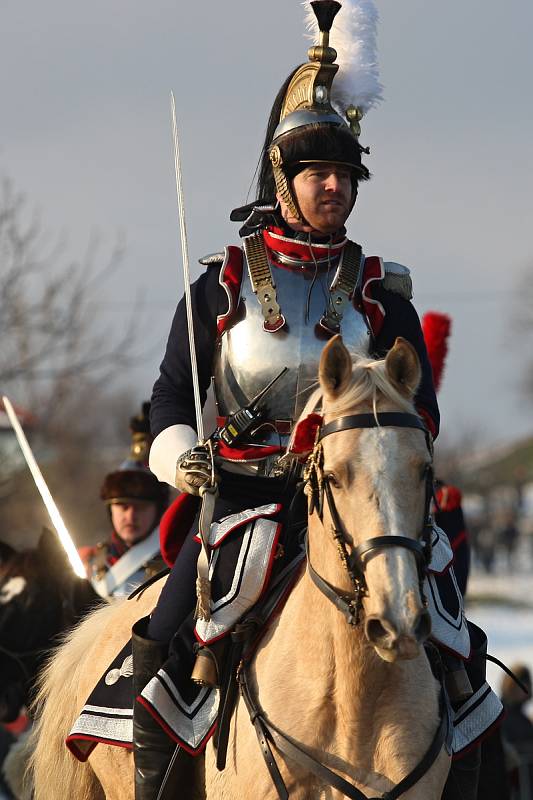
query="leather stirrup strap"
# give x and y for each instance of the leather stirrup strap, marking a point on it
(242, 636)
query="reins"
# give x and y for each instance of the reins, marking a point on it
(318, 487)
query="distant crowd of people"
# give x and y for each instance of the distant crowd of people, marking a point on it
(496, 544)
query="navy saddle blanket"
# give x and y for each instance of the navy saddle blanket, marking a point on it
(248, 549)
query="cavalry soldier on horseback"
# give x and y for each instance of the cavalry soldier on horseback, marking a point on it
(262, 314)
(135, 500)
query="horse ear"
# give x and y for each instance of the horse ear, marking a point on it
(403, 367)
(51, 551)
(335, 370)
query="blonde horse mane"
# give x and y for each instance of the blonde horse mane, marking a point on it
(55, 714)
(369, 383)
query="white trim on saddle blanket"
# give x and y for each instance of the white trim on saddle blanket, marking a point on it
(475, 717)
(191, 723)
(448, 622)
(252, 572)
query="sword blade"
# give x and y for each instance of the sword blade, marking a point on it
(51, 507)
(186, 274)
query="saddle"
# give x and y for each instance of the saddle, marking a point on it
(256, 557)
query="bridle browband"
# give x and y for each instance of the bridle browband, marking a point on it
(319, 486)
(384, 419)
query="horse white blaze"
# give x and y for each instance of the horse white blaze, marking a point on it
(11, 589)
(393, 606)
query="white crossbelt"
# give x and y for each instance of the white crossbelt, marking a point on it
(135, 558)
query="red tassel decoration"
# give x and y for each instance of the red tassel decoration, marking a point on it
(305, 434)
(436, 328)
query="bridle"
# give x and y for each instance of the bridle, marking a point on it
(318, 487)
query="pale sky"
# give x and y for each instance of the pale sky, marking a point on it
(85, 132)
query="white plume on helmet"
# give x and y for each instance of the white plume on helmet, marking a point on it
(353, 36)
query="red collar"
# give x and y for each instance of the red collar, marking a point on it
(278, 242)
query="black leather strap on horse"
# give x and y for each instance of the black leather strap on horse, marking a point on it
(148, 582)
(240, 635)
(396, 419)
(347, 605)
(268, 733)
(243, 636)
(378, 542)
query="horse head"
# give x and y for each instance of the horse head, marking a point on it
(370, 482)
(39, 597)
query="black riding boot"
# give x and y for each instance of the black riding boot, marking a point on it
(153, 750)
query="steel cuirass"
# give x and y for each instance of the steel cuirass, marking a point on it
(248, 357)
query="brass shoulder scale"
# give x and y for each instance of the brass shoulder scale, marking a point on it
(262, 281)
(343, 286)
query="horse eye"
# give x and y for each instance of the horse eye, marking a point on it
(332, 479)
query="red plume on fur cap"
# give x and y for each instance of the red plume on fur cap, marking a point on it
(304, 437)
(436, 328)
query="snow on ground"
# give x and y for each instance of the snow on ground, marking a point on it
(502, 604)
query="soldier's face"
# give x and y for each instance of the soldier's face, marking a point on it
(324, 195)
(133, 520)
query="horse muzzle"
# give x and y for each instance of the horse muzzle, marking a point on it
(392, 642)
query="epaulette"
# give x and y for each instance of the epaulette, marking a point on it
(212, 258)
(398, 279)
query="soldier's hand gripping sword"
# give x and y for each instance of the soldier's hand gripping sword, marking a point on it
(209, 491)
(53, 511)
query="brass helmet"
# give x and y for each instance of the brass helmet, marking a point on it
(312, 122)
(133, 480)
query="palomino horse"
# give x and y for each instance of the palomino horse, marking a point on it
(359, 699)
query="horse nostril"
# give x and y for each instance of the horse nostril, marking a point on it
(422, 628)
(377, 633)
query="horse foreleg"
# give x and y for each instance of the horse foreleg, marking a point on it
(431, 785)
(113, 766)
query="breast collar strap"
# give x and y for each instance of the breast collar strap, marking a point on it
(269, 735)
